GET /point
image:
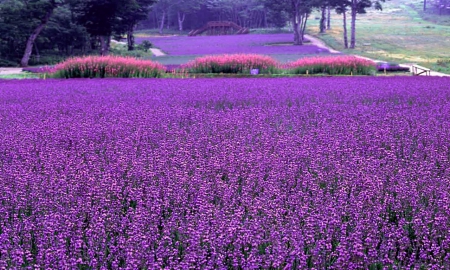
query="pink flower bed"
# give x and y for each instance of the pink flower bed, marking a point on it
(107, 66)
(332, 65)
(232, 63)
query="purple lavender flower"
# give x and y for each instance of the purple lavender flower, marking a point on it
(292, 173)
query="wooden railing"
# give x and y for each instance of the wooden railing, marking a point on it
(220, 25)
(417, 70)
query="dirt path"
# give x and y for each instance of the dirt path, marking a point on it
(432, 73)
(10, 71)
(319, 43)
(157, 52)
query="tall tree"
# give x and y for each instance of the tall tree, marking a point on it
(359, 7)
(328, 17)
(127, 17)
(99, 17)
(164, 7)
(299, 11)
(19, 20)
(342, 7)
(247, 13)
(41, 11)
(323, 18)
(184, 7)
(14, 30)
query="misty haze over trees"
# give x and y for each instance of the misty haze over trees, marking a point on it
(61, 28)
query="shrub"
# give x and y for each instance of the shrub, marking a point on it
(7, 63)
(338, 65)
(108, 66)
(49, 59)
(145, 45)
(232, 63)
(443, 62)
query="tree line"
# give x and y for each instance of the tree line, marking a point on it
(70, 27)
(66, 27)
(441, 7)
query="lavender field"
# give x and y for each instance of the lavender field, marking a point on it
(292, 173)
(207, 45)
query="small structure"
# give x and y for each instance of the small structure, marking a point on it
(417, 70)
(220, 28)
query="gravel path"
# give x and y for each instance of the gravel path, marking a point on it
(157, 52)
(319, 43)
(10, 71)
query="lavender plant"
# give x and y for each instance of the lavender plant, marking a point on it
(231, 44)
(323, 173)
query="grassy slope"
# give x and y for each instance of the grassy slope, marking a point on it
(398, 34)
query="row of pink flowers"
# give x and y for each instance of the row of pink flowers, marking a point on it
(110, 66)
(331, 61)
(114, 66)
(239, 62)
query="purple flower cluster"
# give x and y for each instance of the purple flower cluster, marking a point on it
(292, 173)
(231, 44)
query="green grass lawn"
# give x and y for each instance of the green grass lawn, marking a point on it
(23, 75)
(121, 49)
(399, 33)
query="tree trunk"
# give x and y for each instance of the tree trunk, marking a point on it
(344, 17)
(155, 19)
(130, 37)
(296, 27)
(38, 56)
(328, 18)
(353, 26)
(104, 45)
(32, 38)
(305, 20)
(323, 20)
(93, 42)
(181, 20)
(424, 5)
(161, 26)
(168, 20)
(265, 18)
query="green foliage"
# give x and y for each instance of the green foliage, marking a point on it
(443, 62)
(442, 65)
(23, 75)
(47, 59)
(120, 49)
(73, 28)
(18, 19)
(7, 63)
(145, 45)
